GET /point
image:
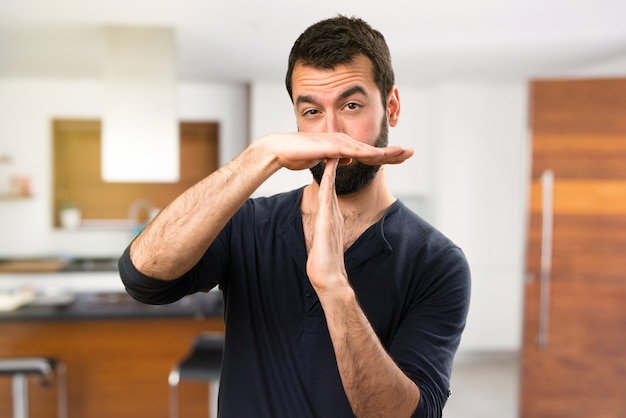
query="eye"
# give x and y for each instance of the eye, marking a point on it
(310, 112)
(352, 106)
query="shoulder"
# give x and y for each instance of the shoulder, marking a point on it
(407, 230)
(430, 253)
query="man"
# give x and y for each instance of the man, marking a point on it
(339, 301)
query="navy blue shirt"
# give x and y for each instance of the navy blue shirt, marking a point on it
(412, 283)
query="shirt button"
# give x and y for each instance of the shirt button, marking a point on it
(308, 294)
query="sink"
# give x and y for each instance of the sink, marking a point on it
(91, 264)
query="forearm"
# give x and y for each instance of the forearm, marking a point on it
(178, 237)
(374, 384)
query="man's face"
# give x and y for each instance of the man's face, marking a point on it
(346, 100)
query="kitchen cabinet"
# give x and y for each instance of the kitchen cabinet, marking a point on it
(118, 356)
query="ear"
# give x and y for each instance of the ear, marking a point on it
(393, 106)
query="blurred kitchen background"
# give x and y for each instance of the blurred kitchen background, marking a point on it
(109, 109)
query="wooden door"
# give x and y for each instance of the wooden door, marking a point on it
(574, 343)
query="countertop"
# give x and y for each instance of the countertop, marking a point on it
(57, 264)
(115, 305)
(55, 275)
(90, 289)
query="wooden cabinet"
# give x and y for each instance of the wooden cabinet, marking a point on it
(115, 368)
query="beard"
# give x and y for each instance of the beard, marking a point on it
(355, 176)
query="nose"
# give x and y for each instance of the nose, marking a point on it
(332, 122)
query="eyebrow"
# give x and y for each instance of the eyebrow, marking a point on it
(344, 95)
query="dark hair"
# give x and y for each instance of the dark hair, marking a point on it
(339, 40)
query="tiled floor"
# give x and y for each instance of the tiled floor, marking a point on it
(484, 385)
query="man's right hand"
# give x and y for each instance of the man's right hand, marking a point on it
(303, 150)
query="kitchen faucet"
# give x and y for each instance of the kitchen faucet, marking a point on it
(140, 213)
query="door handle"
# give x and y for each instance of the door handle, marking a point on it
(547, 218)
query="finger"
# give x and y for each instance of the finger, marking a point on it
(390, 155)
(328, 178)
(328, 236)
(327, 196)
(400, 157)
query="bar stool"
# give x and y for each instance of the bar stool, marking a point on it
(203, 363)
(44, 368)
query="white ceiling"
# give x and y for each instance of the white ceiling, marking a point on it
(246, 40)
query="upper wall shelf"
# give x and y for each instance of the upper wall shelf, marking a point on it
(11, 196)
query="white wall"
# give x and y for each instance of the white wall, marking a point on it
(468, 176)
(26, 110)
(479, 200)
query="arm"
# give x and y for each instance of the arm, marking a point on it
(178, 237)
(374, 384)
